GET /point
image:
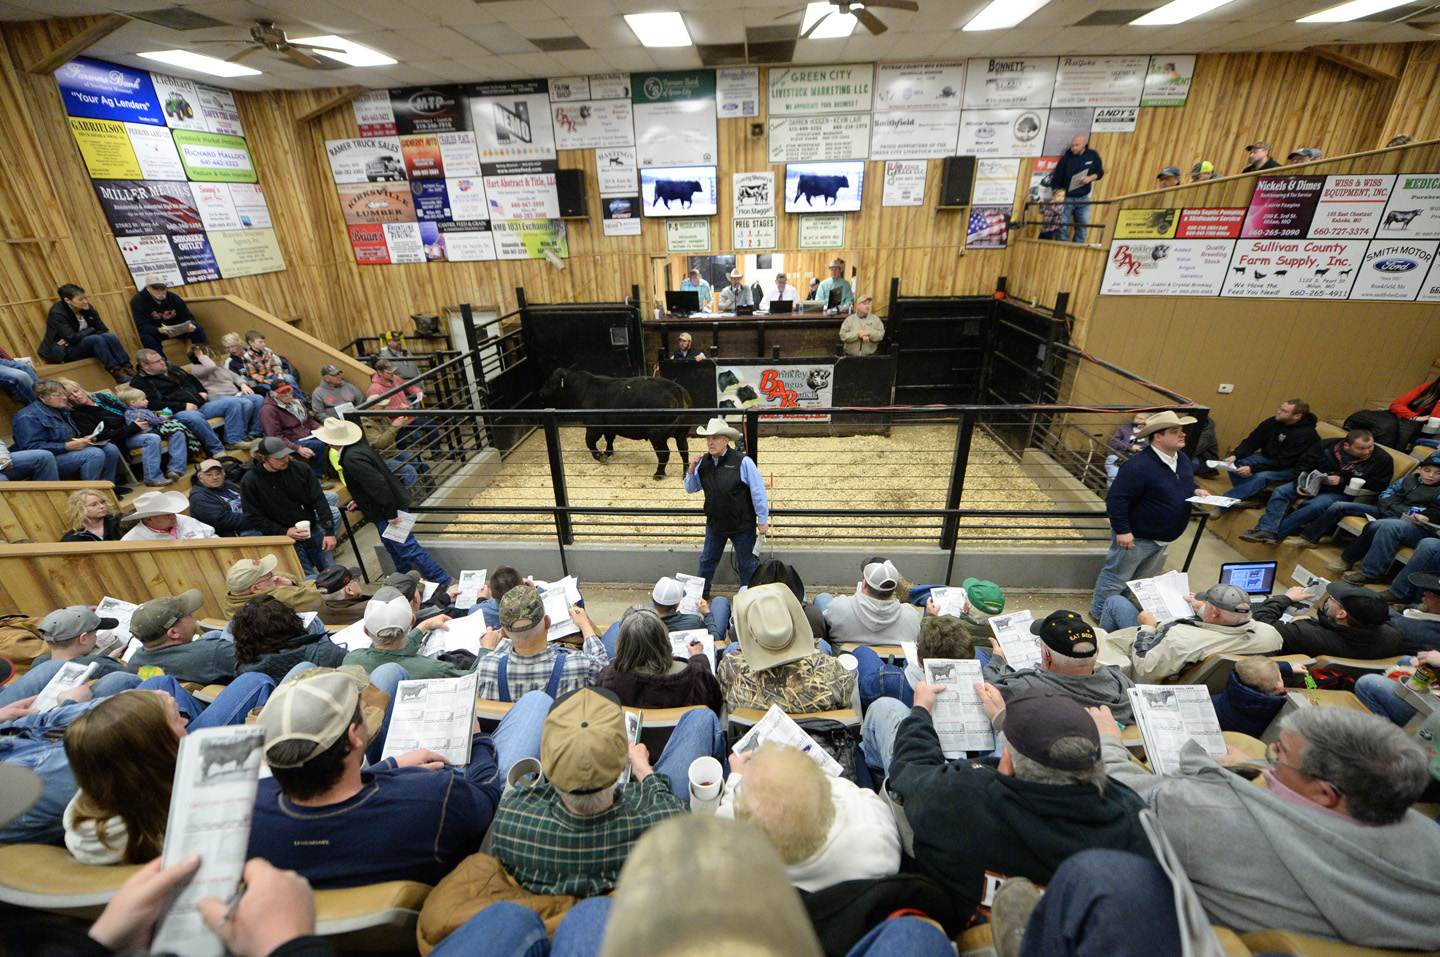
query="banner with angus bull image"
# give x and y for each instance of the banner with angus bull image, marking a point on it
(770, 384)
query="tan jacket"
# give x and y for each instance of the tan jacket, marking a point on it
(475, 884)
(303, 596)
(850, 331)
(1185, 643)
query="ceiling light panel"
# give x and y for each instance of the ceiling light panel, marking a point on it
(659, 29)
(836, 25)
(1003, 14)
(354, 55)
(1352, 11)
(198, 63)
(1177, 11)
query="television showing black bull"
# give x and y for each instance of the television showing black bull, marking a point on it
(572, 389)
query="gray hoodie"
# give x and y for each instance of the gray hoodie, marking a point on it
(870, 621)
(1106, 685)
(1260, 861)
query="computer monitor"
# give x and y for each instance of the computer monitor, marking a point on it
(778, 306)
(1256, 579)
(682, 302)
(833, 300)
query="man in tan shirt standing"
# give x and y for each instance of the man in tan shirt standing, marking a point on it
(861, 330)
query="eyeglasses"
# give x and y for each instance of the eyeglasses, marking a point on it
(1273, 755)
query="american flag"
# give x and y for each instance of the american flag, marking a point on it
(987, 227)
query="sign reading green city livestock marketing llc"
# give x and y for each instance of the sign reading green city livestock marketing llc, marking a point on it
(800, 90)
(214, 157)
(673, 86)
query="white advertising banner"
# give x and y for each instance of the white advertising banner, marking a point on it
(1171, 267)
(1099, 81)
(1351, 207)
(904, 183)
(1414, 208)
(528, 196)
(1167, 82)
(370, 160)
(593, 124)
(155, 152)
(810, 90)
(512, 127)
(373, 113)
(145, 255)
(1007, 82)
(914, 135)
(820, 139)
(567, 89)
(180, 99)
(936, 85)
(753, 194)
(675, 118)
(687, 235)
(217, 209)
(995, 181)
(1115, 119)
(615, 169)
(1293, 268)
(1394, 270)
(1006, 133)
(404, 242)
(467, 198)
(1430, 290)
(458, 153)
(822, 231)
(468, 241)
(737, 92)
(753, 233)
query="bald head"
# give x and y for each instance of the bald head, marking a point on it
(787, 796)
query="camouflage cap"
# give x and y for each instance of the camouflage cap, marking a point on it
(521, 609)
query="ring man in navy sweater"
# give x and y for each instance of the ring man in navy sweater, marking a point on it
(1147, 507)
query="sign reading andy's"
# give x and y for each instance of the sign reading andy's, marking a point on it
(107, 92)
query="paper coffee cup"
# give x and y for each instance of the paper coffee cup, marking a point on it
(522, 769)
(848, 661)
(304, 527)
(706, 779)
(1431, 426)
(1357, 483)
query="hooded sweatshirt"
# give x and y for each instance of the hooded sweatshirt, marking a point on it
(1281, 444)
(974, 826)
(1260, 861)
(1106, 685)
(871, 621)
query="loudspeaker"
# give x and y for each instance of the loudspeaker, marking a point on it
(957, 179)
(570, 186)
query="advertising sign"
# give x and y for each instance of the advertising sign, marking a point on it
(1351, 206)
(904, 134)
(466, 195)
(620, 216)
(1282, 206)
(1393, 269)
(247, 252)
(373, 160)
(936, 85)
(810, 90)
(104, 91)
(512, 127)
(1146, 223)
(1063, 126)
(1293, 268)
(820, 139)
(1010, 82)
(615, 169)
(432, 200)
(145, 255)
(1002, 132)
(155, 152)
(530, 240)
(1099, 81)
(430, 109)
(373, 115)
(1115, 119)
(215, 157)
(788, 385)
(1167, 267)
(217, 208)
(522, 196)
(366, 203)
(404, 242)
(249, 200)
(369, 245)
(995, 181)
(467, 241)
(988, 227)
(105, 147)
(674, 115)
(218, 108)
(145, 208)
(609, 86)
(195, 258)
(458, 153)
(421, 153)
(567, 89)
(822, 231)
(1212, 223)
(1414, 208)
(180, 99)
(905, 183)
(753, 194)
(593, 124)
(737, 92)
(1167, 81)
(754, 233)
(687, 235)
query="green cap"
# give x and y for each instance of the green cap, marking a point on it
(984, 595)
(521, 609)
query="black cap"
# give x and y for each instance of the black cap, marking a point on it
(334, 579)
(1036, 718)
(1062, 630)
(1363, 606)
(1425, 581)
(406, 582)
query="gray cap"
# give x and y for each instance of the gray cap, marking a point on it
(1168, 171)
(1307, 152)
(273, 447)
(329, 369)
(69, 623)
(1226, 598)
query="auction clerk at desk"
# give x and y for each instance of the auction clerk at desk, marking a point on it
(782, 291)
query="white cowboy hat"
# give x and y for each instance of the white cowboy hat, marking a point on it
(718, 426)
(1162, 421)
(736, 273)
(336, 431)
(152, 504)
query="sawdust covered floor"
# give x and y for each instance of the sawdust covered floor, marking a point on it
(908, 468)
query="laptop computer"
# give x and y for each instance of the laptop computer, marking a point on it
(1256, 579)
(778, 306)
(682, 302)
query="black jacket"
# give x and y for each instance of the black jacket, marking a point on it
(113, 531)
(307, 647)
(150, 315)
(1329, 457)
(1282, 445)
(210, 507)
(377, 491)
(975, 826)
(116, 429)
(275, 501)
(1270, 163)
(62, 323)
(1321, 636)
(170, 390)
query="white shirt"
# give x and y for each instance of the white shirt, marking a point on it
(787, 294)
(1171, 460)
(185, 527)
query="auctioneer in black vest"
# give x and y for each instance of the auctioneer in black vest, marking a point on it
(728, 506)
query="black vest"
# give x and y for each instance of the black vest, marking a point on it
(728, 506)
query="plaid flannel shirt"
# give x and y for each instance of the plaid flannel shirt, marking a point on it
(531, 673)
(549, 850)
(815, 683)
(264, 367)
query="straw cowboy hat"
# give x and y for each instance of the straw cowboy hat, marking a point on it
(336, 431)
(1162, 421)
(718, 426)
(152, 504)
(772, 627)
(736, 273)
(837, 262)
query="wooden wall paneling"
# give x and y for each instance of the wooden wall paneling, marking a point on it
(306, 351)
(36, 510)
(1415, 107)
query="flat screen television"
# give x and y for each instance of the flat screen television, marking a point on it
(678, 191)
(824, 187)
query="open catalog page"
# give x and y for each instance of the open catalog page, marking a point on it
(778, 727)
(960, 719)
(433, 713)
(1170, 715)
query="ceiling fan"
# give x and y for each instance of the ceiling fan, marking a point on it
(267, 35)
(860, 10)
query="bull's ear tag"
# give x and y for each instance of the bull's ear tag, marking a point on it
(562, 382)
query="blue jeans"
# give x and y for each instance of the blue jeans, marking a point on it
(150, 445)
(101, 345)
(157, 342)
(1103, 902)
(33, 465)
(1252, 485)
(1275, 520)
(697, 734)
(196, 422)
(518, 735)
(1382, 696)
(399, 463)
(1380, 541)
(877, 733)
(1330, 518)
(242, 417)
(1119, 612)
(506, 929)
(1077, 212)
(34, 681)
(1125, 564)
(1425, 559)
(248, 691)
(408, 554)
(879, 679)
(744, 544)
(17, 380)
(96, 462)
(314, 558)
(256, 400)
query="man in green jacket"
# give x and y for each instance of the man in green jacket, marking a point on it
(396, 639)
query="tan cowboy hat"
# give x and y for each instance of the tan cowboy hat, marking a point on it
(718, 426)
(836, 262)
(772, 627)
(736, 273)
(158, 503)
(1161, 421)
(336, 431)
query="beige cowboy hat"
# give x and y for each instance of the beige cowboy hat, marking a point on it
(1161, 421)
(736, 273)
(152, 504)
(336, 431)
(718, 426)
(837, 262)
(772, 627)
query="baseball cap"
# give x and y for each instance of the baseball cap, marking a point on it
(69, 623)
(1203, 166)
(152, 619)
(1168, 171)
(668, 591)
(881, 576)
(335, 579)
(1259, 145)
(1226, 598)
(247, 571)
(394, 334)
(329, 369)
(282, 386)
(388, 615)
(1307, 152)
(685, 336)
(1364, 607)
(317, 706)
(405, 582)
(1425, 581)
(1062, 630)
(156, 280)
(273, 447)
(521, 609)
(1036, 718)
(583, 747)
(209, 464)
(1432, 462)
(984, 595)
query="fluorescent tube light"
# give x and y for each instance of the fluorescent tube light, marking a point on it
(200, 63)
(355, 54)
(1003, 14)
(836, 25)
(1351, 11)
(659, 29)
(1177, 11)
